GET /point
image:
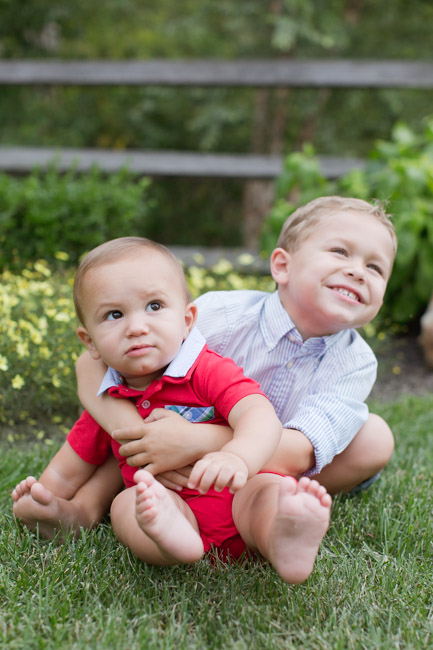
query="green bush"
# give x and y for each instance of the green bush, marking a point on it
(38, 346)
(47, 212)
(398, 172)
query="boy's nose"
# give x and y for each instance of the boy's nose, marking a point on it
(137, 325)
(356, 271)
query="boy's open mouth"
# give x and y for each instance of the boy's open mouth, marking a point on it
(348, 293)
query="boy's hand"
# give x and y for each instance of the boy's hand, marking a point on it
(161, 443)
(175, 479)
(221, 469)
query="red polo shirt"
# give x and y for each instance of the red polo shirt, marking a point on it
(211, 383)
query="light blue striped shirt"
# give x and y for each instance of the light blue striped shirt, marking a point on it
(318, 386)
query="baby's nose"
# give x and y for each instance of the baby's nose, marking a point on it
(137, 324)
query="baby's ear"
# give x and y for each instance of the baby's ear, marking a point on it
(190, 317)
(280, 264)
(85, 338)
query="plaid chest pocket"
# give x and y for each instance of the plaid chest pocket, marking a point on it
(193, 413)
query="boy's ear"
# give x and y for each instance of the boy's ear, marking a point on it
(190, 317)
(85, 338)
(280, 264)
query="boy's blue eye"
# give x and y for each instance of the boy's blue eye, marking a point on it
(154, 306)
(340, 251)
(114, 315)
(376, 268)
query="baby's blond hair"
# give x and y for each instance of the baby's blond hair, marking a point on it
(112, 251)
(304, 219)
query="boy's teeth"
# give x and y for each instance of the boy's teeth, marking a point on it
(347, 293)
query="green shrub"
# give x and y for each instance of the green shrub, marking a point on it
(38, 345)
(48, 212)
(399, 172)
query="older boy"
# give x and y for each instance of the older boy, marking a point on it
(146, 333)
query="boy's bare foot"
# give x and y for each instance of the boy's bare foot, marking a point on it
(300, 524)
(38, 508)
(161, 519)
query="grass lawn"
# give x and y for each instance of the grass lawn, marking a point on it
(371, 587)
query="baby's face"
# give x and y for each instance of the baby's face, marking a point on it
(136, 316)
(337, 278)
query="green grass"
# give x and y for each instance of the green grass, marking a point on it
(371, 587)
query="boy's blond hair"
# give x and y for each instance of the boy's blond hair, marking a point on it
(304, 219)
(112, 251)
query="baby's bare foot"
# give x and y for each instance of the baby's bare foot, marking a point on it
(160, 518)
(23, 488)
(300, 524)
(38, 508)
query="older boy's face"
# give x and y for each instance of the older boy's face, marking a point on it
(136, 316)
(338, 276)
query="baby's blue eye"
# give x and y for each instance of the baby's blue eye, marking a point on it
(114, 315)
(154, 306)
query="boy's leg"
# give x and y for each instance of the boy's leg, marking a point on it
(70, 494)
(155, 523)
(367, 454)
(284, 520)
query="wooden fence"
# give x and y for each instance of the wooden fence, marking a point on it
(204, 73)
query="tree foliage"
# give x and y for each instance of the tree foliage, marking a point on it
(334, 121)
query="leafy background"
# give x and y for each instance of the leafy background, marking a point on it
(208, 212)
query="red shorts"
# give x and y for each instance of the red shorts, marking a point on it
(213, 512)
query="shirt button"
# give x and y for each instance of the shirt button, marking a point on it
(289, 364)
(188, 415)
(145, 404)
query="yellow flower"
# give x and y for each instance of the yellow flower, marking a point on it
(245, 259)
(17, 382)
(222, 266)
(62, 317)
(23, 349)
(42, 268)
(4, 363)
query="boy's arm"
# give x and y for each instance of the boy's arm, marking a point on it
(294, 455)
(331, 414)
(165, 441)
(109, 412)
(256, 434)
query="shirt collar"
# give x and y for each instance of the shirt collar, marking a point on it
(275, 323)
(179, 367)
(187, 355)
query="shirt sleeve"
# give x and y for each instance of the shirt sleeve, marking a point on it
(332, 415)
(222, 383)
(89, 440)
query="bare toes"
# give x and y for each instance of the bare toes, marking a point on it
(23, 487)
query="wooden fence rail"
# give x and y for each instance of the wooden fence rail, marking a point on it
(278, 73)
(200, 73)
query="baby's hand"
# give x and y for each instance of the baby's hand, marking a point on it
(221, 469)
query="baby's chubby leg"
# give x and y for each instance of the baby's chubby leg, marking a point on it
(284, 520)
(70, 494)
(155, 523)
